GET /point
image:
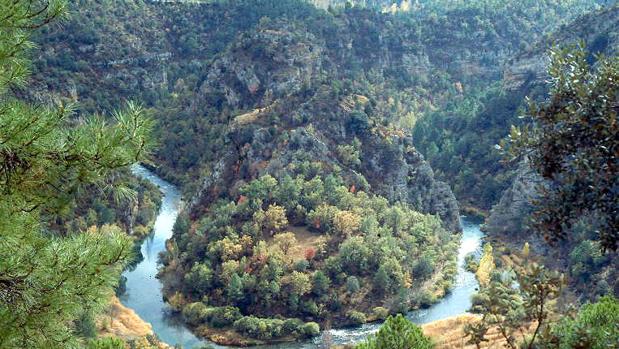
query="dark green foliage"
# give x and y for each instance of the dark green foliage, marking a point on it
(424, 268)
(106, 343)
(352, 284)
(254, 327)
(48, 281)
(573, 143)
(85, 325)
(594, 327)
(114, 202)
(321, 283)
(262, 328)
(459, 141)
(470, 263)
(372, 77)
(397, 333)
(176, 44)
(233, 258)
(198, 313)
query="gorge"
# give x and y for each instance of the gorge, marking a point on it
(309, 173)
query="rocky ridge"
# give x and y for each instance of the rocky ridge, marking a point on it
(267, 72)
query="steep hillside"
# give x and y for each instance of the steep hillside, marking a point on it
(458, 140)
(511, 216)
(160, 53)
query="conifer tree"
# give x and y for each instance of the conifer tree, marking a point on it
(397, 333)
(46, 155)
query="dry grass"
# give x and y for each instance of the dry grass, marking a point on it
(122, 322)
(449, 333)
(305, 239)
(252, 116)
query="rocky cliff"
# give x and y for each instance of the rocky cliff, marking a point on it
(599, 32)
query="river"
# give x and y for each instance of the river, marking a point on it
(143, 290)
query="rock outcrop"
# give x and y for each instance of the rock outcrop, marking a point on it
(511, 215)
(277, 75)
(599, 31)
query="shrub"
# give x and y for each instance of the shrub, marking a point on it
(311, 329)
(223, 316)
(85, 325)
(352, 284)
(425, 299)
(397, 333)
(259, 328)
(423, 268)
(310, 307)
(106, 343)
(301, 265)
(320, 283)
(380, 313)
(470, 264)
(356, 317)
(196, 313)
(595, 327)
(293, 327)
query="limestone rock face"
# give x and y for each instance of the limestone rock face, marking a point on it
(599, 31)
(389, 166)
(510, 216)
(399, 174)
(264, 67)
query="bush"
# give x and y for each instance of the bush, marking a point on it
(311, 329)
(470, 264)
(423, 269)
(223, 316)
(356, 317)
(595, 327)
(311, 308)
(196, 313)
(106, 343)
(397, 333)
(352, 284)
(380, 313)
(293, 327)
(85, 325)
(259, 328)
(424, 298)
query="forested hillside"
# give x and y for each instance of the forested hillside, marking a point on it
(458, 139)
(514, 216)
(418, 63)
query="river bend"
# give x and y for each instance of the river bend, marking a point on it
(143, 289)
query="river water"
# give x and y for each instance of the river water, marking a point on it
(143, 290)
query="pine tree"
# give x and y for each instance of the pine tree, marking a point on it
(398, 333)
(235, 289)
(48, 281)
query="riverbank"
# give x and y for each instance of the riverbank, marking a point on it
(121, 322)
